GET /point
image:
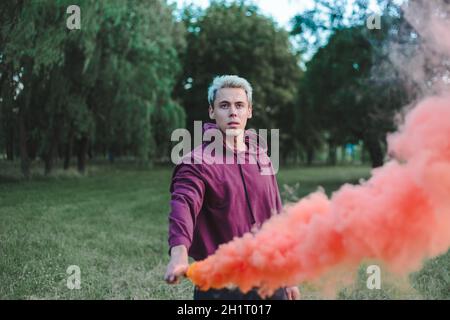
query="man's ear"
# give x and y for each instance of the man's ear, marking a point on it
(250, 111)
(211, 112)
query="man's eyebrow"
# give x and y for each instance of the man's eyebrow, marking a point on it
(226, 101)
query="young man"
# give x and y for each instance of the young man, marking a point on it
(214, 202)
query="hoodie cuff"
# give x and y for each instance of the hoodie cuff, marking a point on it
(179, 240)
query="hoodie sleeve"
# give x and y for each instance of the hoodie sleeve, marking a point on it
(187, 192)
(279, 203)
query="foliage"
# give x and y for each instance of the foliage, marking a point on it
(89, 90)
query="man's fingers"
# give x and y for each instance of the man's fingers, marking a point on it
(171, 279)
(173, 276)
(293, 293)
(167, 278)
(180, 270)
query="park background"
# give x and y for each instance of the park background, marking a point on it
(86, 117)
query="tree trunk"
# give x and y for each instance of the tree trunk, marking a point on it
(81, 154)
(309, 155)
(68, 149)
(49, 157)
(24, 159)
(10, 144)
(332, 156)
(47, 164)
(10, 119)
(54, 141)
(375, 152)
(111, 155)
(284, 157)
(89, 151)
(24, 105)
(32, 147)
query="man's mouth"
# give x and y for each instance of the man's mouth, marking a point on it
(233, 124)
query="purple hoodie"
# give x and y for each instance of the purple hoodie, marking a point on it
(213, 203)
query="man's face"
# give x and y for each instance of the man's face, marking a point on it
(231, 110)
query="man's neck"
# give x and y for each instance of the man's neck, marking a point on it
(236, 143)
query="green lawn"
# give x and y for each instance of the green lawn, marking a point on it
(113, 225)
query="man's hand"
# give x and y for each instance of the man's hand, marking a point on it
(293, 293)
(178, 265)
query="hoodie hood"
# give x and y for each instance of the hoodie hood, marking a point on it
(256, 145)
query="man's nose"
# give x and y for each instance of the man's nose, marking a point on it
(233, 111)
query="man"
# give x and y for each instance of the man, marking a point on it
(213, 203)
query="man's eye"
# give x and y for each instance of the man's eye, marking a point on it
(224, 106)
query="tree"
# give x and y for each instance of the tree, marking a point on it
(346, 97)
(89, 90)
(32, 46)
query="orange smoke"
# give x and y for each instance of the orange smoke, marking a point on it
(400, 216)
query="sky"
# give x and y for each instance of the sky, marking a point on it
(281, 10)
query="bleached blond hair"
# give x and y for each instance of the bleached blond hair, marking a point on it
(229, 81)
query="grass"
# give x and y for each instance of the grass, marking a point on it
(112, 223)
